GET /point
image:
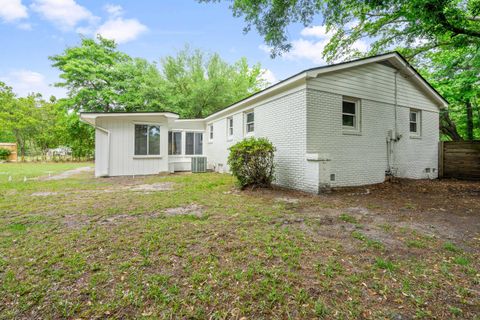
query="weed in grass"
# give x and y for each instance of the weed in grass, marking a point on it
(461, 260)
(455, 311)
(386, 227)
(345, 217)
(358, 235)
(385, 264)
(416, 243)
(370, 243)
(320, 309)
(450, 246)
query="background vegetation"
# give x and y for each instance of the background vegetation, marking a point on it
(441, 38)
(100, 78)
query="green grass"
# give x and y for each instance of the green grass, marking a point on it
(95, 249)
(345, 217)
(32, 170)
(385, 264)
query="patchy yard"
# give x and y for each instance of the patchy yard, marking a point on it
(192, 246)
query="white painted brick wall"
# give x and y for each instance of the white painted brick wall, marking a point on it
(282, 121)
(362, 159)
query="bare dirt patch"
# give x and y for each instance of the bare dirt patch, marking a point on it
(69, 173)
(192, 209)
(43, 194)
(159, 186)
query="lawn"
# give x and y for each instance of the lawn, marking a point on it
(193, 246)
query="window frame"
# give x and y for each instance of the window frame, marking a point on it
(149, 125)
(172, 139)
(210, 132)
(418, 122)
(229, 128)
(248, 123)
(194, 142)
(355, 129)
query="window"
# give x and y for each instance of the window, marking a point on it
(211, 132)
(193, 143)
(350, 114)
(230, 127)
(174, 143)
(147, 140)
(415, 122)
(250, 122)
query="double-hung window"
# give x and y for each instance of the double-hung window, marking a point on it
(230, 127)
(415, 121)
(351, 114)
(210, 132)
(250, 122)
(174, 142)
(147, 140)
(193, 143)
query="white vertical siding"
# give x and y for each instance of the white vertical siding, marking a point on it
(122, 159)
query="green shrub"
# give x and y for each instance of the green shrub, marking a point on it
(4, 154)
(251, 162)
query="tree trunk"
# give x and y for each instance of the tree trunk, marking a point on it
(469, 110)
(448, 127)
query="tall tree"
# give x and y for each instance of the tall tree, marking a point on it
(420, 29)
(197, 84)
(19, 117)
(89, 73)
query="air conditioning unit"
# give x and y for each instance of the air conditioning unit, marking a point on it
(199, 164)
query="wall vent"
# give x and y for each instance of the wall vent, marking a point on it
(332, 177)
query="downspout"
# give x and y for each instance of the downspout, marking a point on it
(108, 146)
(393, 137)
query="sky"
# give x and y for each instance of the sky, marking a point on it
(33, 30)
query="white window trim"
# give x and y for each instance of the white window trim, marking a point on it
(148, 156)
(251, 133)
(184, 145)
(418, 133)
(356, 129)
(211, 133)
(229, 135)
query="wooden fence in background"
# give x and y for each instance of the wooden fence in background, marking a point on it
(459, 159)
(12, 147)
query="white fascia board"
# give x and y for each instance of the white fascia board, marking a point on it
(396, 60)
(91, 118)
(294, 81)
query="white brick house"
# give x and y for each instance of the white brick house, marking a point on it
(339, 125)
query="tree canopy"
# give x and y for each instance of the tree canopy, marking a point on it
(442, 37)
(197, 84)
(99, 77)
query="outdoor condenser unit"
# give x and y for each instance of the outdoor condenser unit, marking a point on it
(199, 164)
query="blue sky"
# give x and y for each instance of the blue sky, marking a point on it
(33, 30)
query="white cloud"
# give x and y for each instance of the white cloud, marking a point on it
(312, 49)
(317, 31)
(114, 10)
(121, 30)
(65, 14)
(25, 82)
(269, 76)
(12, 10)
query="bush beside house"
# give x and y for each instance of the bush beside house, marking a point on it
(251, 162)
